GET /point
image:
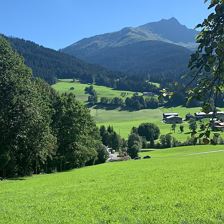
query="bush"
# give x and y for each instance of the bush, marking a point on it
(133, 151)
(134, 145)
(166, 141)
(92, 100)
(111, 139)
(149, 131)
(152, 103)
(192, 141)
(102, 154)
(192, 125)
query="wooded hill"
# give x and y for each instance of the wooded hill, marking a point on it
(51, 64)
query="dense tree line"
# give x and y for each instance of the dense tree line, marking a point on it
(142, 136)
(140, 102)
(114, 102)
(41, 131)
(147, 135)
(135, 102)
(136, 83)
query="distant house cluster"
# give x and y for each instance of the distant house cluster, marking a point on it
(172, 118)
(217, 123)
(202, 115)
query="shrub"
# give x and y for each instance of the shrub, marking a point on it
(149, 131)
(134, 145)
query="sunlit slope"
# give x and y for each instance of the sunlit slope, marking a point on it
(79, 90)
(175, 186)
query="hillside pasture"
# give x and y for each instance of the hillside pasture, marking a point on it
(171, 187)
(79, 90)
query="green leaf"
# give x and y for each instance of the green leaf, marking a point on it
(207, 133)
(211, 59)
(208, 50)
(219, 52)
(207, 68)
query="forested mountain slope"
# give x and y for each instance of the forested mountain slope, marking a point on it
(51, 64)
(158, 47)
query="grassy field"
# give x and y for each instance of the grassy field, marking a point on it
(123, 121)
(175, 186)
(79, 90)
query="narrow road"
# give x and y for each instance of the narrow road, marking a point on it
(191, 154)
(201, 153)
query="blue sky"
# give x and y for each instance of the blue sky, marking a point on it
(58, 23)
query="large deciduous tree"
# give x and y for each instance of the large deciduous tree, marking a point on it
(134, 145)
(39, 129)
(77, 135)
(207, 63)
(149, 131)
(26, 139)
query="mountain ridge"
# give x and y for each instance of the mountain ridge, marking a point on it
(150, 31)
(169, 33)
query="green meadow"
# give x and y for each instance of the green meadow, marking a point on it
(123, 120)
(65, 85)
(181, 185)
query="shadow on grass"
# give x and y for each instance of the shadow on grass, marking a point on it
(12, 179)
(188, 133)
(16, 178)
(111, 107)
(105, 107)
(129, 109)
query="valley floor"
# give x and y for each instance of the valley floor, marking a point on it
(179, 185)
(123, 121)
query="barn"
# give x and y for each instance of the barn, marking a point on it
(165, 115)
(173, 120)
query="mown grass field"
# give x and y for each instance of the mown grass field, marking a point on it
(175, 186)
